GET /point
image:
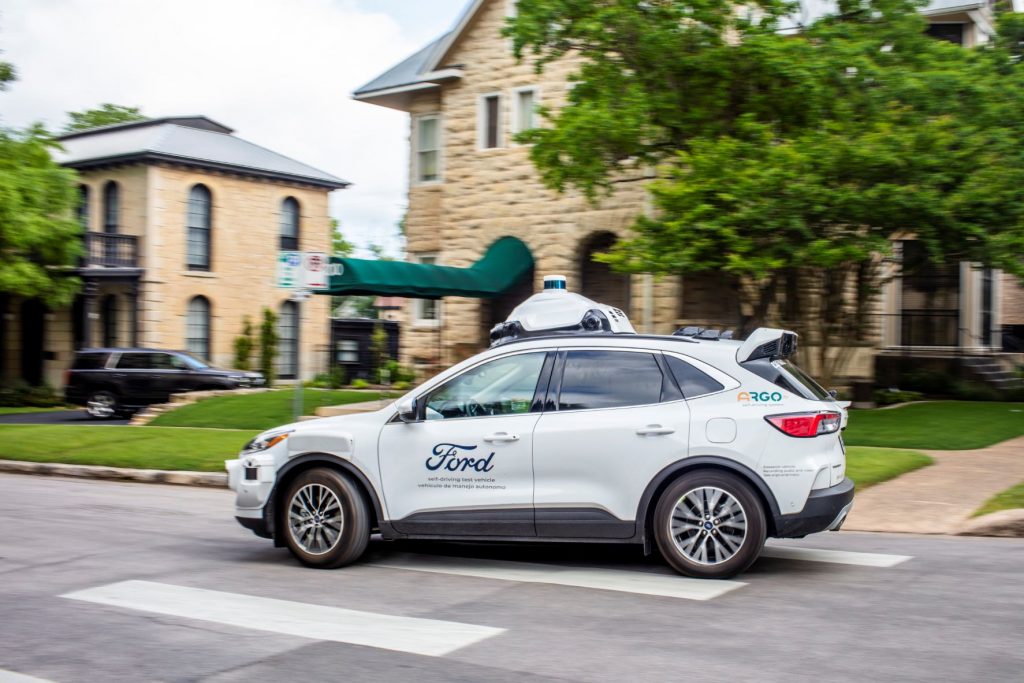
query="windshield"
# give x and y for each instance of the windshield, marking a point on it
(798, 376)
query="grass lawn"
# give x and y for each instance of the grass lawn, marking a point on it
(141, 447)
(868, 466)
(1009, 499)
(941, 425)
(20, 411)
(255, 411)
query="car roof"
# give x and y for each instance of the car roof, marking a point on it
(719, 349)
(127, 350)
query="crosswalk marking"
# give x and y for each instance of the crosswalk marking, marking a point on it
(643, 583)
(13, 677)
(405, 634)
(786, 552)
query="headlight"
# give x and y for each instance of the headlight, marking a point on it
(264, 441)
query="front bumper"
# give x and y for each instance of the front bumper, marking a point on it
(825, 510)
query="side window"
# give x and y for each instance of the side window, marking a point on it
(135, 361)
(163, 361)
(692, 381)
(501, 387)
(609, 379)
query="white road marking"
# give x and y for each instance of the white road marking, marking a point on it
(642, 583)
(12, 677)
(405, 634)
(785, 552)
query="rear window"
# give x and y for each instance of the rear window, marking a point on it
(692, 381)
(90, 361)
(797, 376)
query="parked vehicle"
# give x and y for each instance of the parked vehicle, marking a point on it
(571, 427)
(110, 382)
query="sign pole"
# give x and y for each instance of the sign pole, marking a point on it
(297, 402)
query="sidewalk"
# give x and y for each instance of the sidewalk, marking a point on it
(938, 499)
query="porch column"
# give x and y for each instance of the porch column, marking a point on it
(89, 292)
(133, 292)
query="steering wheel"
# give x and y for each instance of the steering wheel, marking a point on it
(474, 409)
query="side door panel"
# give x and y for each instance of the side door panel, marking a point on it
(592, 464)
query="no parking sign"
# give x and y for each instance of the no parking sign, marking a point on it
(302, 270)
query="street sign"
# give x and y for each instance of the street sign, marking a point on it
(300, 295)
(302, 269)
(314, 266)
(289, 269)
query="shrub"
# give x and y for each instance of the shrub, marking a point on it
(929, 382)
(335, 379)
(400, 385)
(244, 345)
(268, 345)
(396, 372)
(360, 384)
(888, 397)
(22, 395)
(973, 391)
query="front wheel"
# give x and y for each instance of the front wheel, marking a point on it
(326, 521)
(709, 524)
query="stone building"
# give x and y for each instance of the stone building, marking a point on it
(182, 225)
(470, 184)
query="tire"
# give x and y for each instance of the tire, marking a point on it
(101, 405)
(308, 531)
(737, 525)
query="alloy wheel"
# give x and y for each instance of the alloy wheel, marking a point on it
(708, 525)
(315, 519)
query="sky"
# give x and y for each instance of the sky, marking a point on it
(280, 72)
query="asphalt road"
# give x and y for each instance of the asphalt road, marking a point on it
(105, 581)
(57, 417)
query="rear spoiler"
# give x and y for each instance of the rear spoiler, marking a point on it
(767, 342)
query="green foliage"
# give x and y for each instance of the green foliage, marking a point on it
(783, 159)
(268, 345)
(24, 395)
(359, 383)
(400, 385)
(398, 372)
(244, 345)
(1010, 499)
(378, 350)
(339, 245)
(888, 397)
(39, 238)
(105, 115)
(335, 379)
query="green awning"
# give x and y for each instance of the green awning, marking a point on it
(506, 261)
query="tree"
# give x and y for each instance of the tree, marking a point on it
(105, 115)
(39, 239)
(268, 345)
(788, 162)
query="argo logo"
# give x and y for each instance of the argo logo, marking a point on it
(759, 397)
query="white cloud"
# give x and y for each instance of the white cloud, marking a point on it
(279, 72)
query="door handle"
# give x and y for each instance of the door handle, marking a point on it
(501, 437)
(654, 430)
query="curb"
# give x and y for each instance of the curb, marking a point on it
(181, 478)
(1005, 523)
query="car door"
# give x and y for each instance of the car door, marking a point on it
(465, 467)
(137, 378)
(613, 419)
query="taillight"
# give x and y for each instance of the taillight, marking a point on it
(803, 425)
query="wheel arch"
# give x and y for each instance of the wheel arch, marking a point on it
(307, 461)
(665, 478)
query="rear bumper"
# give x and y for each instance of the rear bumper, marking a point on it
(257, 525)
(825, 510)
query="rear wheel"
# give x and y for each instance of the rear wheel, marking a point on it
(101, 405)
(709, 524)
(325, 519)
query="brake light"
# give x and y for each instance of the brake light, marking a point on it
(804, 425)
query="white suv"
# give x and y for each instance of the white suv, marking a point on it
(702, 445)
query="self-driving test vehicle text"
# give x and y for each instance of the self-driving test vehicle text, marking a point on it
(571, 427)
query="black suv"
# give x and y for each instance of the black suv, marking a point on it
(110, 382)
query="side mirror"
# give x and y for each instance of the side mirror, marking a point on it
(407, 410)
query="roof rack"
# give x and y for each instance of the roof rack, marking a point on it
(702, 333)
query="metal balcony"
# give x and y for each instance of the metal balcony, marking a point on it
(103, 250)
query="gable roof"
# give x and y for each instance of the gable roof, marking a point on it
(421, 71)
(191, 141)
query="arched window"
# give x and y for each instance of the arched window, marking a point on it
(109, 317)
(288, 340)
(83, 206)
(111, 207)
(290, 224)
(198, 219)
(197, 327)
